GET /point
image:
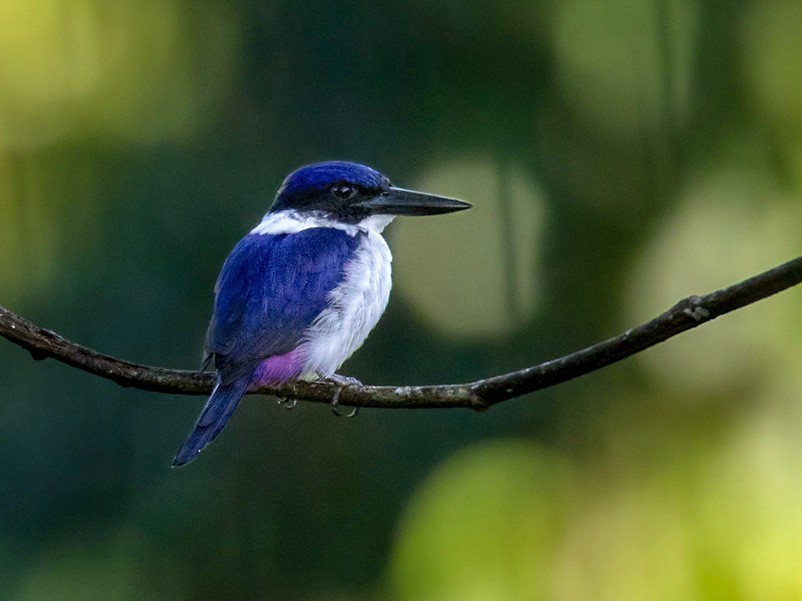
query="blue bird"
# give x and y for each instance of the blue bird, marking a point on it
(301, 292)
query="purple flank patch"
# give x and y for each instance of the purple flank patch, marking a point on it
(279, 368)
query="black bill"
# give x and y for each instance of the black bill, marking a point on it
(397, 201)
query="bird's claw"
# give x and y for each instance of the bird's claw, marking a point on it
(335, 403)
(343, 382)
(288, 404)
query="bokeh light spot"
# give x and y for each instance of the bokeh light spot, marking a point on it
(474, 273)
(772, 47)
(729, 225)
(623, 63)
(126, 70)
(483, 527)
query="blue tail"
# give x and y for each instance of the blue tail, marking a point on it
(215, 415)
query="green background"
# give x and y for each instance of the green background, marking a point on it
(620, 154)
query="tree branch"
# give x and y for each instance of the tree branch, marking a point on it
(481, 394)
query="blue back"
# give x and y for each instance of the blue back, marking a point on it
(269, 291)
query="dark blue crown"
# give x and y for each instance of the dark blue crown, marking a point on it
(308, 182)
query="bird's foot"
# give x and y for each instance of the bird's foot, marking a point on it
(288, 404)
(342, 382)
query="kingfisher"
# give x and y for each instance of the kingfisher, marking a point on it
(304, 288)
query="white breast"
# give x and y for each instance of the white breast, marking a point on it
(357, 303)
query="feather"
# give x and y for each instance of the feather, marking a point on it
(270, 290)
(213, 418)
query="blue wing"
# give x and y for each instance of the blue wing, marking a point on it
(269, 291)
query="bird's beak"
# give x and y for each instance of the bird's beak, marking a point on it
(397, 201)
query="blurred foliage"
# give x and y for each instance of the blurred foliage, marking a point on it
(621, 154)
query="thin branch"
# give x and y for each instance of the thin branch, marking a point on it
(481, 394)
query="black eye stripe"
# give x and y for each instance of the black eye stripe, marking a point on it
(344, 191)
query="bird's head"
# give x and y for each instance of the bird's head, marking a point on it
(351, 192)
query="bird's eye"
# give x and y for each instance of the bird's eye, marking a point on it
(343, 191)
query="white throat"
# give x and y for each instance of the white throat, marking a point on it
(290, 221)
